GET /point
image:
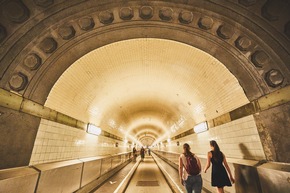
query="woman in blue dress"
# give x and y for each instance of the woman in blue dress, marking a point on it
(219, 176)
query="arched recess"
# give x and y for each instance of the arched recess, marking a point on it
(43, 54)
(147, 128)
(43, 38)
(41, 83)
(147, 135)
(147, 131)
(147, 141)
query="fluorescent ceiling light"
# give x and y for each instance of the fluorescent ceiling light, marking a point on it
(92, 129)
(201, 127)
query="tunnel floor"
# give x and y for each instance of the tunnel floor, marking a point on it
(112, 184)
(148, 178)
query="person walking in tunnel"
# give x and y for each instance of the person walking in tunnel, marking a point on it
(134, 154)
(189, 170)
(142, 153)
(219, 176)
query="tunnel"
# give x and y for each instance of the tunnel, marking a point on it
(83, 82)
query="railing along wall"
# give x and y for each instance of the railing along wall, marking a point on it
(78, 175)
(250, 175)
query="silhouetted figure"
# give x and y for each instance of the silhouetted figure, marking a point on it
(142, 153)
(149, 152)
(189, 170)
(219, 176)
(134, 154)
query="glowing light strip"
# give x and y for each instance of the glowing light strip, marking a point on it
(92, 129)
(200, 127)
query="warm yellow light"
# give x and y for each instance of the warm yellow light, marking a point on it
(201, 127)
(92, 129)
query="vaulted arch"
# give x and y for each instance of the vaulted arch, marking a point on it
(41, 41)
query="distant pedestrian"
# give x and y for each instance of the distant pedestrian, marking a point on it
(219, 176)
(189, 170)
(134, 154)
(142, 153)
(149, 152)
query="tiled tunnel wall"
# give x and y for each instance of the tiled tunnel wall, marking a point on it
(237, 139)
(56, 142)
(268, 42)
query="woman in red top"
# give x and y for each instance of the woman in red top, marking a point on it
(192, 183)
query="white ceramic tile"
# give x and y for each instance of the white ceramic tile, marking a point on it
(59, 142)
(99, 83)
(230, 141)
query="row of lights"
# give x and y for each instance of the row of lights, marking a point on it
(199, 128)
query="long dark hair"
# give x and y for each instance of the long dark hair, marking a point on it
(187, 151)
(217, 154)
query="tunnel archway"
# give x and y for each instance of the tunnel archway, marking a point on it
(74, 32)
(42, 40)
(169, 92)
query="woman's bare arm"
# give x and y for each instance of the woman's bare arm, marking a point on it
(180, 170)
(207, 162)
(228, 169)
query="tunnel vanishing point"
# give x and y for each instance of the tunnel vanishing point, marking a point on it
(146, 73)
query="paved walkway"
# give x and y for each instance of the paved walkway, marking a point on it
(111, 185)
(148, 179)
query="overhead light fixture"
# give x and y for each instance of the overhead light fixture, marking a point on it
(201, 127)
(168, 140)
(93, 129)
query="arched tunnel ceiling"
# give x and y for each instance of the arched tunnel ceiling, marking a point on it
(124, 86)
